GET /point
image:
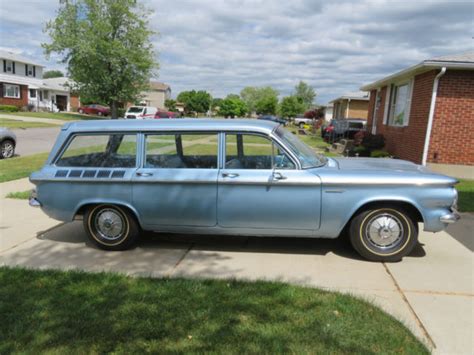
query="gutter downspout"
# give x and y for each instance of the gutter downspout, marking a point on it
(431, 115)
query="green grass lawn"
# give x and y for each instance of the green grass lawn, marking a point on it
(56, 115)
(18, 124)
(75, 312)
(466, 195)
(20, 195)
(20, 167)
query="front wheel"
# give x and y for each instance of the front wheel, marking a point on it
(7, 149)
(301, 125)
(111, 227)
(383, 234)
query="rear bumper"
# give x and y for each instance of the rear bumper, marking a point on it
(33, 201)
(449, 218)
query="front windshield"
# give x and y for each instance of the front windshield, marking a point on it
(134, 109)
(307, 157)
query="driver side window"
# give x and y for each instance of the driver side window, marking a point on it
(248, 151)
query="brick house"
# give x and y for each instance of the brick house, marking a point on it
(22, 85)
(426, 113)
(352, 105)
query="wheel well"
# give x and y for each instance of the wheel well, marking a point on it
(7, 139)
(413, 212)
(408, 207)
(82, 210)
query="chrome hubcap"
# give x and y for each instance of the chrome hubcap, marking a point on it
(7, 150)
(109, 224)
(384, 231)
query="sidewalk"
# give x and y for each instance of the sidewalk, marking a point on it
(431, 291)
(33, 119)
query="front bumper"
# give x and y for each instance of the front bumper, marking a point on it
(449, 218)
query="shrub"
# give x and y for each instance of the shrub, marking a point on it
(8, 108)
(373, 141)
(359, 137)
(379, 154)
(359, 151)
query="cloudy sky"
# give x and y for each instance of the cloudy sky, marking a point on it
(223, 46)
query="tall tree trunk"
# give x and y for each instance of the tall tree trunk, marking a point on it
(113, 110)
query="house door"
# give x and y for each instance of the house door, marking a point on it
(61, 102)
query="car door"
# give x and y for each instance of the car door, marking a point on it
(261, 187)
(176, 184)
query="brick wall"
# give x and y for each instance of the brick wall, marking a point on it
(407, 142)
(22, 101)
(452, 136)
(74, 102)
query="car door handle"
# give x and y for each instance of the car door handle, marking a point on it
(278, 176)
(144, 174)
(230, 175)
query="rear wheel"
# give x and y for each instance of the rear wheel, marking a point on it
(81, 111)
(111, 227)
(7, 149)
(99, 113)
(383, 234)
(301, 125)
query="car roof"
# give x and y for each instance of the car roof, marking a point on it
(192, 124)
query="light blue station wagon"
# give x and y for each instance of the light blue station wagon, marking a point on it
(234, 177)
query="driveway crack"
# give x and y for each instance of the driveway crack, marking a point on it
(410, 307)
(180, 260)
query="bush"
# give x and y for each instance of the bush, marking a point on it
(373, 141)
(359, 151)
(379, 154)
(8, 108)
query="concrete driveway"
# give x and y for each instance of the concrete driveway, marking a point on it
(431, 291)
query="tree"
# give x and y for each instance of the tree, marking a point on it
(216, 103)
(195, 101)
(52, 74)
(106, 47)
(262, 100)
(232, 106)
(305, 94)
(170, 104)
(290, 106)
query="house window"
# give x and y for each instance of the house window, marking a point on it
(46, 94)
(400, 99)
(32, 93)
(12, 91)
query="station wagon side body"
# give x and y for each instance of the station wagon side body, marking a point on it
(222, 187)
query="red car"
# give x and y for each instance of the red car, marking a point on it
(165, 114)
(98, 110)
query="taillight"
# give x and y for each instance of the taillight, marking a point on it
(330, 129)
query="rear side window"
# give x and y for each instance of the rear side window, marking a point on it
(356, 125)
(111, 151)
(181, 151)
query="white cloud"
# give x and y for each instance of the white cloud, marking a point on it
(223, 46)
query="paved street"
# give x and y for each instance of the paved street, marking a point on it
(35, 140)
(431, 291)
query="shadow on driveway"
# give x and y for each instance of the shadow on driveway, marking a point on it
(74, 233)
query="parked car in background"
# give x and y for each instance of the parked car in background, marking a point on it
(273, 119)
(7, 143)
(234, 177)
(300, 121)
(165, 114)
(141, 112)
(342, 128)
(94, 109)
